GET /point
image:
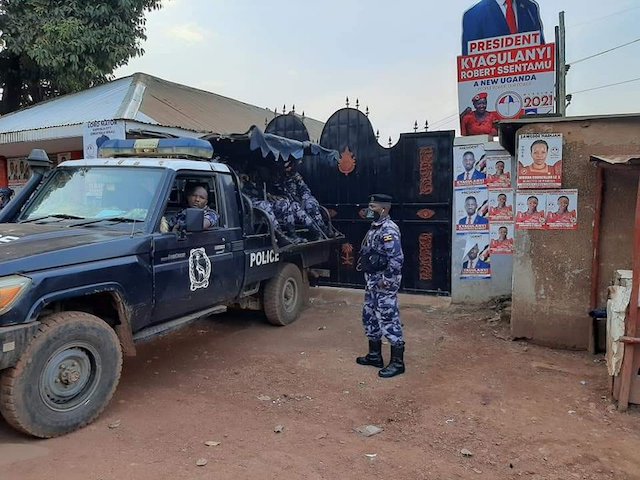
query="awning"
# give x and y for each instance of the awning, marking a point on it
(617, 159)
(270, 146)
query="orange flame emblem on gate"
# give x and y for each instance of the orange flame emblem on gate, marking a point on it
(347, 255)
(347, 162)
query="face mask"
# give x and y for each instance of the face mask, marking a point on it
(371, 215)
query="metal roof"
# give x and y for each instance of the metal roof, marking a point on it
(98, 103)
(171, 164)
(146, 99)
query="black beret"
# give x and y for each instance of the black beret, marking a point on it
(380, 198)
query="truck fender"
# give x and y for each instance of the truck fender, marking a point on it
(123, 329)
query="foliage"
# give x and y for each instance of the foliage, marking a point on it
(53, 47)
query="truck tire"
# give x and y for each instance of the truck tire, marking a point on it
(284, 296)
(64, 378)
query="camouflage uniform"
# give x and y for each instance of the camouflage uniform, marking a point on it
(251, 190)
(290, 213)
(380, 314)
(286, 206)
(296, 187)
(180, 220)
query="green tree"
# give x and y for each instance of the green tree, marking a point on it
(53, 47)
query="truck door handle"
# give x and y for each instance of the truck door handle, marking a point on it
(219, 248)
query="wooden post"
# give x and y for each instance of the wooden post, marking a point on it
(627, 373)
(595, 260)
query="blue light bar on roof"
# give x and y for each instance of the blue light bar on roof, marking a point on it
(157, 147)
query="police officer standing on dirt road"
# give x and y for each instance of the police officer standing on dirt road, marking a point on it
(381, 260)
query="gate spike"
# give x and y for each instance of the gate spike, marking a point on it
(377, 134)
(293, 109)
(426, 126)
(347, 102)
(366, 112)
(275, 112)
(389, 141)
(415, 126)
(303, 115)
(265, 121)
(357, 104)
(284, 109)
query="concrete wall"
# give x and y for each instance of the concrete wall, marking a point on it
(552, 270)
(479, 290)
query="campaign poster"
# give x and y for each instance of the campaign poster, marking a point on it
(472, 210)
(498, 171)
(501, 234)
(18, 171)
(469, 165)
(486, 28)
(476, 260)
(505, 84)
(562, 210)
(501, 205)
(95, 133)
(539, 160)
(530, 210)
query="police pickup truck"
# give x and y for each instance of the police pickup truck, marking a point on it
(88, 268)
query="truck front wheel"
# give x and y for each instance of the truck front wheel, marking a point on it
(65, 377)
(284, 296)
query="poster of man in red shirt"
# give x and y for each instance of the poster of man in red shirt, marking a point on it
(498, 171)
(530, 210)
(501, 205)
(562, 210)
(501, 239)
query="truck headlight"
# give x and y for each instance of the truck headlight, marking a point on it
(11, 289)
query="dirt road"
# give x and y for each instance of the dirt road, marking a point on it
(522, 411)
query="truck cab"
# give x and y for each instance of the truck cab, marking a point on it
(93, 260)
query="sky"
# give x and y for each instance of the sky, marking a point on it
(397, 58)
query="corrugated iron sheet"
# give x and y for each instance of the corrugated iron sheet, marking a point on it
(97, 103)
(617, 159)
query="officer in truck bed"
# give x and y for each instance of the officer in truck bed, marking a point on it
(288, 206)
(299, 191)
(283, 223)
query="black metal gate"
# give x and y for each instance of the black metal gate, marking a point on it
(417, 172)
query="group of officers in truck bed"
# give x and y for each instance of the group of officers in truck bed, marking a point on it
(287, 201)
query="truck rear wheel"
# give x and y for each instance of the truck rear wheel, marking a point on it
(284, 296)
(65, 377)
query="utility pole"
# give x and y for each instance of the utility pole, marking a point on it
(561, 69)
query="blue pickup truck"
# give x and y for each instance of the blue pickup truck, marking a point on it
(88, 268)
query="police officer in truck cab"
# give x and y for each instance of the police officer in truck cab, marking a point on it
(381, 261)
(197, 197)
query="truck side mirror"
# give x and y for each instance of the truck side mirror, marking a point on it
(194, 221)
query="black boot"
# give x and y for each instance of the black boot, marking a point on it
(291, 233)
(315, 233)
(374, 357)
(396, 365)
(282, 239)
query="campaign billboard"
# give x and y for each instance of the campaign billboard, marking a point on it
(506, 69)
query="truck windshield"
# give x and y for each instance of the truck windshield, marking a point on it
(96, 193)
